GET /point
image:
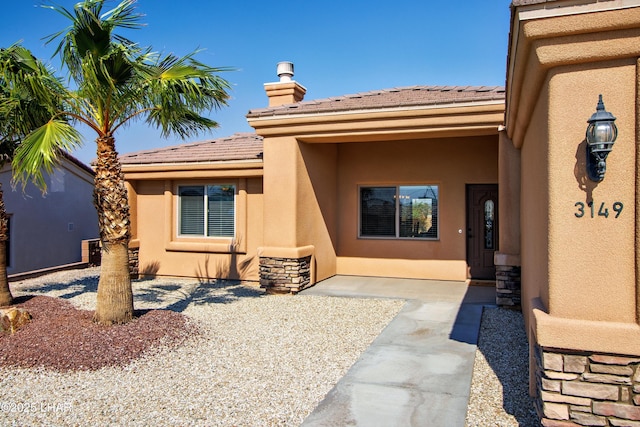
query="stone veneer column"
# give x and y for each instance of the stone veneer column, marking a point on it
(508, 287)
(285, 275)
(587, 389)
(134, 262)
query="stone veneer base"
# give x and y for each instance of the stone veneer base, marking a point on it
(508, 287)
(285, 275)
(587, 389)
(134, 263)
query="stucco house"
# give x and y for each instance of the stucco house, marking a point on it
(47, 230)
(335, 185)
(451, 183)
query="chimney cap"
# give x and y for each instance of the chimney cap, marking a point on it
(284, 70)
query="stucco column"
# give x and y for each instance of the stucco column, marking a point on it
(507, 259)
(284, 266)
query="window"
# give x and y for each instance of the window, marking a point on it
(206, 210)
(408, 212)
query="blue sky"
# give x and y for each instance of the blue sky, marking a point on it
(338, 47)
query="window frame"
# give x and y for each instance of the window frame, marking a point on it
(205, 204)
(397, 213)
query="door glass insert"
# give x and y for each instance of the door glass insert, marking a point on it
(489, 241)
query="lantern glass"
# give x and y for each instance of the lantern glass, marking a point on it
(600, 132)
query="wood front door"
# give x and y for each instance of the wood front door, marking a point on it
(482, 230)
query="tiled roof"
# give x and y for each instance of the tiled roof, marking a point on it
(388, 98)
(239, 146)
(516, 3)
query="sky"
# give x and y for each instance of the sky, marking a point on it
(338, 47)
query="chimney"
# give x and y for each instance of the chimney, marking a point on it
(286, 91)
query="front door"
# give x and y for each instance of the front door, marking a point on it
(482, 230)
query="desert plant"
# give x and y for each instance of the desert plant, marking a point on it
(113, 81)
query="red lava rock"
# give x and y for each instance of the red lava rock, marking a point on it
(62, 338)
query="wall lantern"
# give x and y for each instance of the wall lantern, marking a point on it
(601, 134)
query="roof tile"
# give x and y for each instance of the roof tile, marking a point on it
(239, 146)
(387, 98)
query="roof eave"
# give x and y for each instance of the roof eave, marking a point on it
(188, 170)
(460, 118)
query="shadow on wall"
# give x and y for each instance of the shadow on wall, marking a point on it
(149, 271)
(580, 172)
(226, 268)
(229, 268)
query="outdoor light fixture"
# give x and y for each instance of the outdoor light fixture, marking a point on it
(601, 134)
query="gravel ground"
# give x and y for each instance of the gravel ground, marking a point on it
(258, 361)
(499, 388)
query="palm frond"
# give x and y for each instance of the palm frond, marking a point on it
(123, 16)
(40, 150)
(30, 96)
(178, 90)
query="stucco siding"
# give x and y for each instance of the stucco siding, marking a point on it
(164, 253)
(591, 258)
(534, 213)
(450, 163)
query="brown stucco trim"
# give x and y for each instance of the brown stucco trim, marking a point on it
(481, 118)
(585, 335)
(193, 170)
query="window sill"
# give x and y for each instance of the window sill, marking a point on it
(206, 247)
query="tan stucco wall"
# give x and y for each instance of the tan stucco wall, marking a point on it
(578, 274)
(591, 260)
(313, 164)
(311, 199)
(534, 209)
(162, 253)
(299, 202)
(450, 163)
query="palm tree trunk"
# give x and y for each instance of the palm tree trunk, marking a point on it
(5, 293)
(115, 296)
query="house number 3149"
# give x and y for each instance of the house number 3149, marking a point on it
(590, 209)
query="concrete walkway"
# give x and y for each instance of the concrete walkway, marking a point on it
(418, 370)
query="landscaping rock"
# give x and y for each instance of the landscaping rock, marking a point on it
(13, 319)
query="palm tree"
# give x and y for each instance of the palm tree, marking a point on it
(23, 81)
(115, 82)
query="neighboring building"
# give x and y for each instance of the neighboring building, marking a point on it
(47, 230)
(442, 183)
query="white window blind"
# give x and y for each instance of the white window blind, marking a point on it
(207, 207)
(220, 210)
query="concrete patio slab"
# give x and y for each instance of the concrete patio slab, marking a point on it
(418, 370)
